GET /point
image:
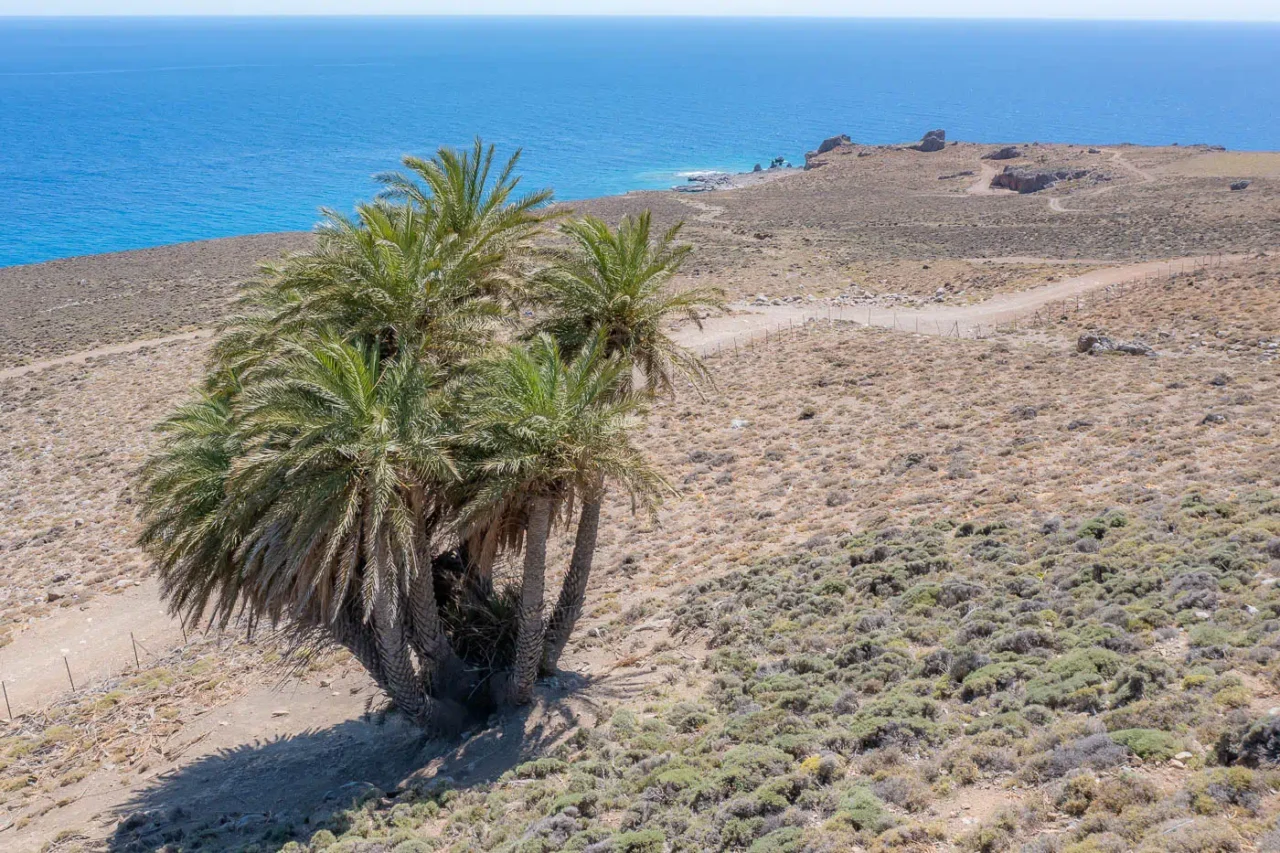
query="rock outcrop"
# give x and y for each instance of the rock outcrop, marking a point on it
(934, 140)
(831, 143)
(705, 183)
(1096, 343)
(1008, 152)
(1033, 180)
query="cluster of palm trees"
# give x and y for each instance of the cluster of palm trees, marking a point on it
(440, 382)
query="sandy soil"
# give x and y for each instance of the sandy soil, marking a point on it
(1229, 164)
(81, 303)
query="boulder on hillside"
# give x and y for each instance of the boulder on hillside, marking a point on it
(1239, 185)
(831, 143)
(705, 183)
(1033, 180)
(1096, 343)
(934, 140)
(1008, 152)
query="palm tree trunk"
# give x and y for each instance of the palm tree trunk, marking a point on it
(574, 591)
(529, 632)
(440, 665)
(356, 636)
(403, 683)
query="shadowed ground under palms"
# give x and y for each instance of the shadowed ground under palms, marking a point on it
(285, 787)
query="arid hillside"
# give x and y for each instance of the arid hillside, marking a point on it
(916, 592)
(872, 217)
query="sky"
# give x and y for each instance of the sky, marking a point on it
(1224, 10)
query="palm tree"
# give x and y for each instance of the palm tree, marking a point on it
(362, 427)
(614, 286)
(452, 192)
(183, 491)
(546, 433)
(432, 265)
(311, 501)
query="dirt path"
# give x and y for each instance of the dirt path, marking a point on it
(94, 639)
(1117, 158)
(113, 349)
(941, 319)
(970, 320)
(706, 212)
(982, 184)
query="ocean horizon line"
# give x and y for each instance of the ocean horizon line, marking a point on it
(624, 16)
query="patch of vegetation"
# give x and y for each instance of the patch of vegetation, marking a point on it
(852, 687)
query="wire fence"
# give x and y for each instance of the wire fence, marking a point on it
(79, 679)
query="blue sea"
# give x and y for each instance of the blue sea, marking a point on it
(126, 133)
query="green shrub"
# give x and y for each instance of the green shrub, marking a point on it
(686, 717)
(644, 841)
(1148, 744)
(746, 767)
(785, 840)
(540, 768)
(862, 809)
(1074, 680)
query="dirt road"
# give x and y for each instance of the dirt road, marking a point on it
(935, 319)
(114, 349)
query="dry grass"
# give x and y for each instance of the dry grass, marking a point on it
(1232, 311)
(70, 439)
(59, 307)
(1229, 164)
(903, 424)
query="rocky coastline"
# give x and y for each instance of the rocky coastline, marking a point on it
(705, 182)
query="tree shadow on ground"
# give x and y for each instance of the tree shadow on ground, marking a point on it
(289, 787)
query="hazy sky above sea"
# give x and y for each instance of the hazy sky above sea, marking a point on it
(1254, 10)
